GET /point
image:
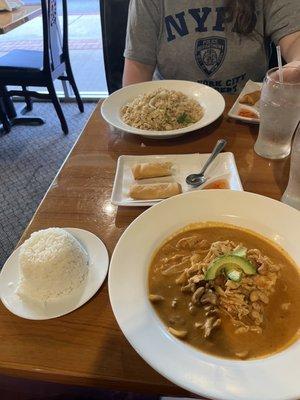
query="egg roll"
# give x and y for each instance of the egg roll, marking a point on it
(154, 191)
(250, 98)
(151, 170)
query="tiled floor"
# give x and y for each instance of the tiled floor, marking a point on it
(30, 157)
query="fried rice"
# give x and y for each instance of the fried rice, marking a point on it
(162, 110)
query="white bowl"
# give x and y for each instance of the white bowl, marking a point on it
(211, 100)
(272, 378)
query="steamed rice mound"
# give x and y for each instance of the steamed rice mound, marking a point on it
(52, 263)
(162, 110)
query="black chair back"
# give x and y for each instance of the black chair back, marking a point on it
(55, 45)
(114, 15)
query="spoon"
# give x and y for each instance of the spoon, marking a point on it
(198, 179)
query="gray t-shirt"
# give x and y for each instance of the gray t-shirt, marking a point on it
(188, 39)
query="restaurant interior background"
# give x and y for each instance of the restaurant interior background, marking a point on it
(116, 346)
(30, 156)
(85, 43)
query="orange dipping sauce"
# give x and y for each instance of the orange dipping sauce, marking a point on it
(247, 113)
(219, 184)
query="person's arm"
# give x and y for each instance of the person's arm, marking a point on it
(136, 72)
(283, 27)
(290, 48)
(143, 30)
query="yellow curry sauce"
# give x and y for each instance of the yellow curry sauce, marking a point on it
(281, 322)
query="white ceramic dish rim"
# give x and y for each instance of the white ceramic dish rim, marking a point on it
(140, 88)
(99, 261)
(200, 375)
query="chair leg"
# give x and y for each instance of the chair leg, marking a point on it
(58, 108)
(71, 79)
(3, 118)
(28, 100)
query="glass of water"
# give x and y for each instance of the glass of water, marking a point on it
(279, 112)
(291, 195)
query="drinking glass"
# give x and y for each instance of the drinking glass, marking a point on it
(279, 112)
(291, 195)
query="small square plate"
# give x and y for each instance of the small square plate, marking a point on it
(223, 167)
(234, 111)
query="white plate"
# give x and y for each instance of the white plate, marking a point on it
(271, 378)
(223, 167)
(98, 266)
(211, 100)
(234, 111)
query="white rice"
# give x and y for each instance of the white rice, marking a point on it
(52, 263)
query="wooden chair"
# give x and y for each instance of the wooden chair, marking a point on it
(114, 14)
(40, 68)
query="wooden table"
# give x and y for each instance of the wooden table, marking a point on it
(11, 20)
(87, 347)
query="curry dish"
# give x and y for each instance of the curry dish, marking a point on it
(226, 290)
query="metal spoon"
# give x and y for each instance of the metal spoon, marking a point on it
(198, 179)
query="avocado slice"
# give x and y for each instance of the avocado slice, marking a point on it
(228, 263)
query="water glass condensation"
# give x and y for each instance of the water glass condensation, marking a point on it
(291, 195)
(279, 112)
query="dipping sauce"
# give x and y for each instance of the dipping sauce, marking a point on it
(219, 184)
(247, 113)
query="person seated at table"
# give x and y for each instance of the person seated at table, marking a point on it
(221, 43)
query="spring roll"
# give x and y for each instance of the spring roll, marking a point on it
(250, 98)
(151, 170)
(154, 191)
